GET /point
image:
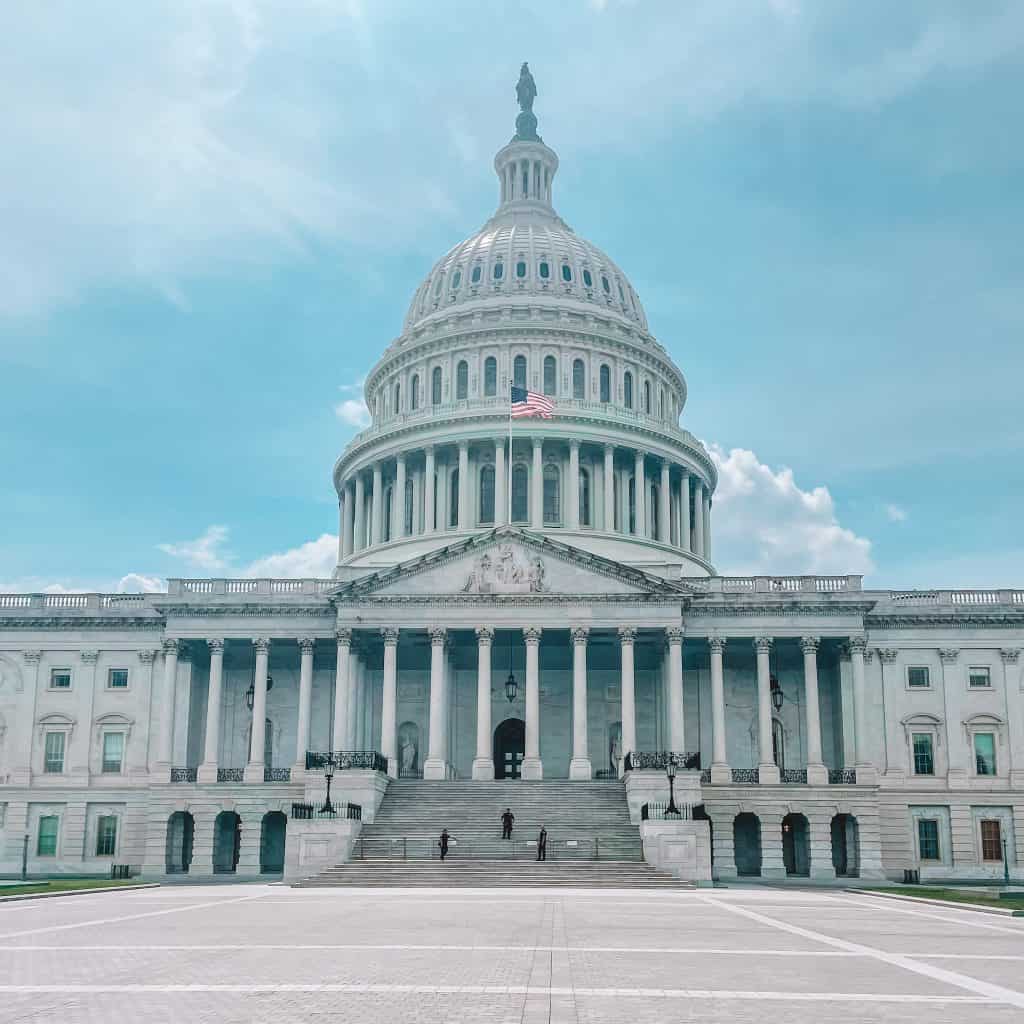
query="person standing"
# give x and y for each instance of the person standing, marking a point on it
(506, 823)
(542, 844)
(443, 843)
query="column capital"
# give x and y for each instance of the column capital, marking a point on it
(579, 634)
(627, 634)
(809, 644)
(1010, 655)
(90, 657)
(344, 637)
(485, 635)
(307, 644)
(146, 657)
(171, 645)
(262, 644)
(684, 472)
(390, 634)
(400, 459)
(949, 655)
(888, 655)
(531, 635)
(674, 634)
(537, 442)
(574, 444)
(215, 644)
(763, 643)
(438, 635)
(858, 644)
(716, 643)
(463, 447)
(609, 446)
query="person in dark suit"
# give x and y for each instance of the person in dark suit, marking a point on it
(443, 843)
(506, 823)
(542, 844)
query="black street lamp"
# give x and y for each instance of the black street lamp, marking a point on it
(511, 686)
(776, 694)
(670, 771)
(250, 694)
(1006, 865)
(328, 807)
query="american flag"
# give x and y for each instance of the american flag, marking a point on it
(529, 403)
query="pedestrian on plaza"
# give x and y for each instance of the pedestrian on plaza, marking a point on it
(506, 823)
(542, 844)
(443, 843)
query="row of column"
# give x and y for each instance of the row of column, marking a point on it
(362, 519)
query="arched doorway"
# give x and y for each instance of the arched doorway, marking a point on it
(509, 748)
(796, 845)
(227, 838)
(746, 837)
(180, 832)
(845, 846)
(272, 835)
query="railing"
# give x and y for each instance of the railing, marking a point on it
(122, 600)
(217, 587)
(658, 760)
(308, 812)
(183, 775)
(347, 760)
(842, 776)
(120, 871)
(794, 776)
(559, 848)
(657, 812)
(746, 776)
(410, 773)
(277, 774)
(230, 774)
(783, 584)
(15, 600)
(705, 776)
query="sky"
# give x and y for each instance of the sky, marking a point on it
(214, 213)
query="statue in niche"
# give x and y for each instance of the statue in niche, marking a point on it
(615, 746)
(409, 748)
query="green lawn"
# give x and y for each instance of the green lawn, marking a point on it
(952, 895)
(65, 884)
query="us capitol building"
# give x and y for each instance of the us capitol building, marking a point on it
(511, 606)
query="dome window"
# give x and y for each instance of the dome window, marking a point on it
(462, 380)
(545, 270)
(550, 375)
(566, 273)
(521, 269)
(627, 389)
(579, 379)
(519, 372)
(475, 279)
(499, 271)
(588, 280)
(414, 392)
(622, 297)
(490, 377)
(435, 386)
(486, 490)
(457, 280)
(606, 383)
(605, 285)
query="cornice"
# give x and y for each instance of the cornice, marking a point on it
(79, 622)
(512, 600)
(250, 610)
(702, 609)
(998, 620)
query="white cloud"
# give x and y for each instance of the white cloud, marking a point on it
(765, 524)
(896, 513)
(353, 412)
(316, 558)
(132, 583)
(136, 583)
(202, 553)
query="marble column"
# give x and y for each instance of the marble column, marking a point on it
(720, 771)
(640, 494)
(359, 523)
(307, 645)
(165, 737)
(537, 486)
(350, 511)
(664, 504)
(342, 681)
(207, 771)
(580, 766)
(500, 484)
(707, 525)
(817, 774)
(572, 511)
(866, 772)
(254, 770)
(483, 763)
(608, 486)
(434, 767)
(377, 506)
(627, 641)
(389, 702)
(429, 483)
(532, 767)
(768, 770)
(398, 513)
(342, 502)
(676, 713)
(698, 518)
(465, 490)
(684, 512)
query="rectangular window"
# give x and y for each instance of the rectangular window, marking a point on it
(917, 676)
(117, 679)
(928, 838)
(985, 753)
(924, 760)
(991, 840)
(979, 677)
(113, 751)
(53, 761)
(60, 679)
(46, 846)
(106, 836)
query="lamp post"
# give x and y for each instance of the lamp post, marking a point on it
(670, 771)
(511, 687)
(328, 807)
(1006, 865)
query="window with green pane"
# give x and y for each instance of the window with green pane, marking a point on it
(924, 760)
(985, 753)
(113, 751)
(106, 836)
(46, 845)
(53, 758)
(928, 838)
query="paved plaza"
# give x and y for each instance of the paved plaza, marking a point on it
(269, 953)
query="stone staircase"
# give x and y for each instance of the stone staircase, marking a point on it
(591, 841)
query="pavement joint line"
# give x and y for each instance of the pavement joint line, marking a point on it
(895, 907)
(983, 988)
(541, 991)
(126, 917)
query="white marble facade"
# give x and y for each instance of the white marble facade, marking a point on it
(885, 730)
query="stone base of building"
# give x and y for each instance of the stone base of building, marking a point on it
(682, 848)
(483, 769)
(580, 769)
(532, 768)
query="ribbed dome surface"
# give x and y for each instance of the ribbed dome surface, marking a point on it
(525, 253)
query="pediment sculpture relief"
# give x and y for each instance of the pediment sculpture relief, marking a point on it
(506, 574)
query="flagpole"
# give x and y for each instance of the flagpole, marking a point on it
(508, 487)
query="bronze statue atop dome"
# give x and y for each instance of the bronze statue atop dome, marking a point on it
(526, 93)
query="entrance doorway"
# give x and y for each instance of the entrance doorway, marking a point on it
(509, 748)
(180, 832)
(227, 840)
(845, 846)
(796, 848)
(272, 835)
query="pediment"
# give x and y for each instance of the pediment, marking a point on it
(510, 563)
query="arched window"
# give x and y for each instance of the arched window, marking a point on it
(579, 379)
(486, 495)
(453, 499)
(475, 276)
(632, 504)
(588, 280)
(550, 375)
(520, 494)
(627, 389)
(398, 398)
(499, 271)
(462, 379)
(407, 507)
(647, 397)
(552, 495)
(519, 371)
(545, 270)
(456, 280)
(585, 498)
(490, 377)
(388, 496)
(521, 269)
(414, 392)
(566, 273)
(606, 383)
(435, 386)
(605, 285)
(661, 403)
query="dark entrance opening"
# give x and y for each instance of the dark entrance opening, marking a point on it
(747, 844)
(227, 839)
(272, 833)
(180, 831)
(796, 852)
(509, 748)
(845, 846)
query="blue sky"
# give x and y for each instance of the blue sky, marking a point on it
(214, 214)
